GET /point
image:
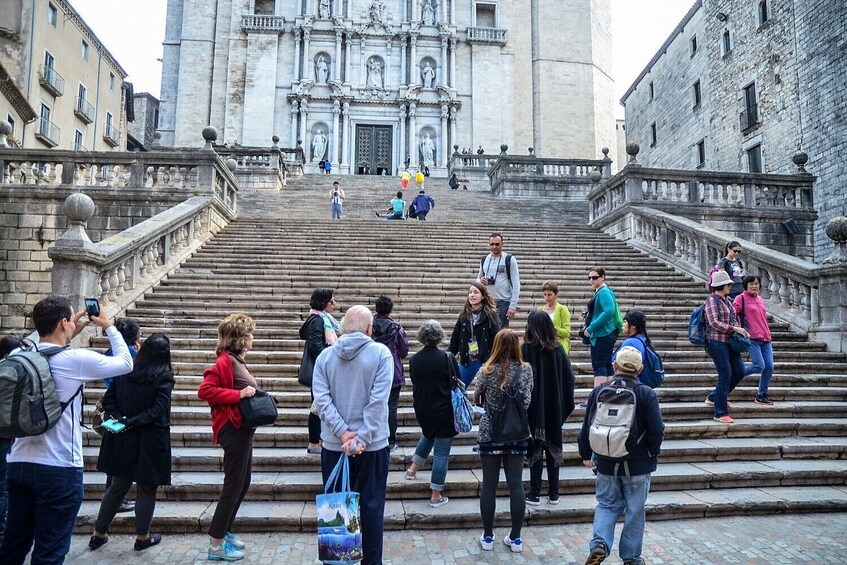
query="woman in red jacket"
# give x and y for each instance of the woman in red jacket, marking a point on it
(224, 384)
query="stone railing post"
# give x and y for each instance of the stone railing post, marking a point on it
(75, 272)
(831, 305)
(606, 169)
(632, 186)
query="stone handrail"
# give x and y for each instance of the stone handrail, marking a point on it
(472, 161)
(540, 168)
(492, 35)
(121, 268)
(639, 185)
(262, 22)
(805, 294)
(188, 170)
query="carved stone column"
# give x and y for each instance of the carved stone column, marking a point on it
(443, 70)
(444, 154)
(413, 127)
(347, 59)
(452, 12)
(413, 62)
(336, 110)
(294, 112)
(404, 79)
(345, 140)
(307, 36)
(361, 61)
(337, 66)
(454, 43)
(387, 76)
(304, 115)
(402, 117)
(297, 35)
(453, 114)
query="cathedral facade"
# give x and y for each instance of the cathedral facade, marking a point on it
(370, 84)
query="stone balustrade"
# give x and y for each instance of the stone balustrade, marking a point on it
(262, 23)
(264, 167)
(528, 175)
(490, 35)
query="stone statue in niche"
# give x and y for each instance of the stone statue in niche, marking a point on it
(428, 13)
(375, 73)
(318, 146)
(321, 70)
(324, 10)
(376, 12)
(428, 75)
(428, 151)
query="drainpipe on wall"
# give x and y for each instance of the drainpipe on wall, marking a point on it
(29, 80)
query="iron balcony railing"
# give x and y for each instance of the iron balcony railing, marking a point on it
(111, 135)
(749, 116)
(84, 111)
(51, 80)
(48, 132)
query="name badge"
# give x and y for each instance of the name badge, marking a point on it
(473, 348)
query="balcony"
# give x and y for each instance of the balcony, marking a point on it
(83, 110)
(749, 117)
(262, 23)
(51, 80)
(487, 35)
(111, 135)
(79, 147)
(48, 133)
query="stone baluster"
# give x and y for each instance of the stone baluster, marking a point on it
(121, 279)
(677, 245)
(782, 290)
(103, 295)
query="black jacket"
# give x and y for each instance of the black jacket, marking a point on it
(142, 453)
(484, 332)
(312, 332)
(431, 387)
(648, 419)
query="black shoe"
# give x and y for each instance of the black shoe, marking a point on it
(638, 561)
(126, 506)
(96, 542)
(598, 554)
(533, 499)
(152, 539)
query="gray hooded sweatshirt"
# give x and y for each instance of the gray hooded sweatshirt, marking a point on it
(351, 384)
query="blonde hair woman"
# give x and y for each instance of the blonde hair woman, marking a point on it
(224, 384)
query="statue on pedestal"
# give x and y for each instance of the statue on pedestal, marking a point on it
(321, 70)
(375, 73)
(376, 12)
(318, 146)
(428, 75)
(428, 151)
(428, 13)
(324, 10)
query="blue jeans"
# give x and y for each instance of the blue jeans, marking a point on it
(616, 496)
(761, 357)
(601, 355)
(368, 477)
(335, 211)
(43, 504)
(5, 447)
(730, 369)
(502, 310)
(440, 447)
(469, 371)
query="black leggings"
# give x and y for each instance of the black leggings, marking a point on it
(314, 424)
(145, 504)
(513, 466)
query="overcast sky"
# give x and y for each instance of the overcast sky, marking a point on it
(134, 35)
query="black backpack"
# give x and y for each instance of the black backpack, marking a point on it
(29, 405)
(508, 266)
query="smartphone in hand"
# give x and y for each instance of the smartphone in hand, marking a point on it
(113, 426)
(92, 306)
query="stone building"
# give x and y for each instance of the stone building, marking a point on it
(743, 86)
(66, 74)
(367, 84)
(146, 119)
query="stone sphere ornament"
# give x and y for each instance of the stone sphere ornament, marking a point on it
(275, 140)
(800, 159)
(210, 134)
(231, 164)
(5, 128)
(595, 176)
(605, 152)
(632, 150)
(836, 229)
(79, 208)
(503, 149)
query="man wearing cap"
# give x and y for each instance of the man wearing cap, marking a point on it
(622, 489)
(423, 203)
(721, 323)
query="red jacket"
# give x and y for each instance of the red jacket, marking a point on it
(217, 389)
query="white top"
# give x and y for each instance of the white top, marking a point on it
(494, 268)
(61, 445)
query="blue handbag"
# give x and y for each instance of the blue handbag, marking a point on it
(739, 343)
(462, 409)
(339, 533)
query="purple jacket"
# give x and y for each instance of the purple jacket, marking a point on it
(391, 334)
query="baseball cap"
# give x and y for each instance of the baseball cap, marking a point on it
(629, 359)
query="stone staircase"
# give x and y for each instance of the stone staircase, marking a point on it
(785, 458)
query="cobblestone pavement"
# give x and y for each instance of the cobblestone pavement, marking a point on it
(793, 538)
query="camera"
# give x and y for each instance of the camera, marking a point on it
(584, 314)
(335, 193)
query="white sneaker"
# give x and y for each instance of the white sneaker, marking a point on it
(487, 542)
(515, 544)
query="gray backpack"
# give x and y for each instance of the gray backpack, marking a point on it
(613, 425)
(29, 405)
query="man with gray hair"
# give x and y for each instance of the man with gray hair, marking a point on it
(351, 384)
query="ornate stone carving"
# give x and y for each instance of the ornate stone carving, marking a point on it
(376, 13)
(428, 13)
(375, 78)
(321, 70)
(428, 75)
(324, 10)
(427, 151)
(319, 144)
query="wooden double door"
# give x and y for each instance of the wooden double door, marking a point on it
(374, 148)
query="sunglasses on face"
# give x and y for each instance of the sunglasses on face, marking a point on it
(736, 250)
(495, 244)
(594, 277)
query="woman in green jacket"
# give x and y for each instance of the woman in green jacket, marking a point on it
(603, 324)
(559, 313)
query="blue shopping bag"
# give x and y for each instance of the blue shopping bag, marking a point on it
(339, 533)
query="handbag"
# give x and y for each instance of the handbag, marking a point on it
(98, 417)
(462, 409)
(339, 533)
(258, 410)
(511, 422)
(307, 367)
(739, 343)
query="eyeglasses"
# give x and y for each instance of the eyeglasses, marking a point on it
(594, 277)
(736, 250)
(495, 244)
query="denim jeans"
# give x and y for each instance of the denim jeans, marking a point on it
(618, 495)
(761, 357)
(730, 369)
(469, 371)
(502, 310)
(5, 447)
(368, 477)
(440, 448)
(335, 211)
(43, 504)
(601, 355)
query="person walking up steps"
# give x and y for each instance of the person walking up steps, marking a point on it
(498, 271)
(423, 203)
(392, 335)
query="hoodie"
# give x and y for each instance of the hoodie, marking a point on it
(351, 384)
(391, 334)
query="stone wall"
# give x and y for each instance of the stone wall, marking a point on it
(146, 108)
(31, 220)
